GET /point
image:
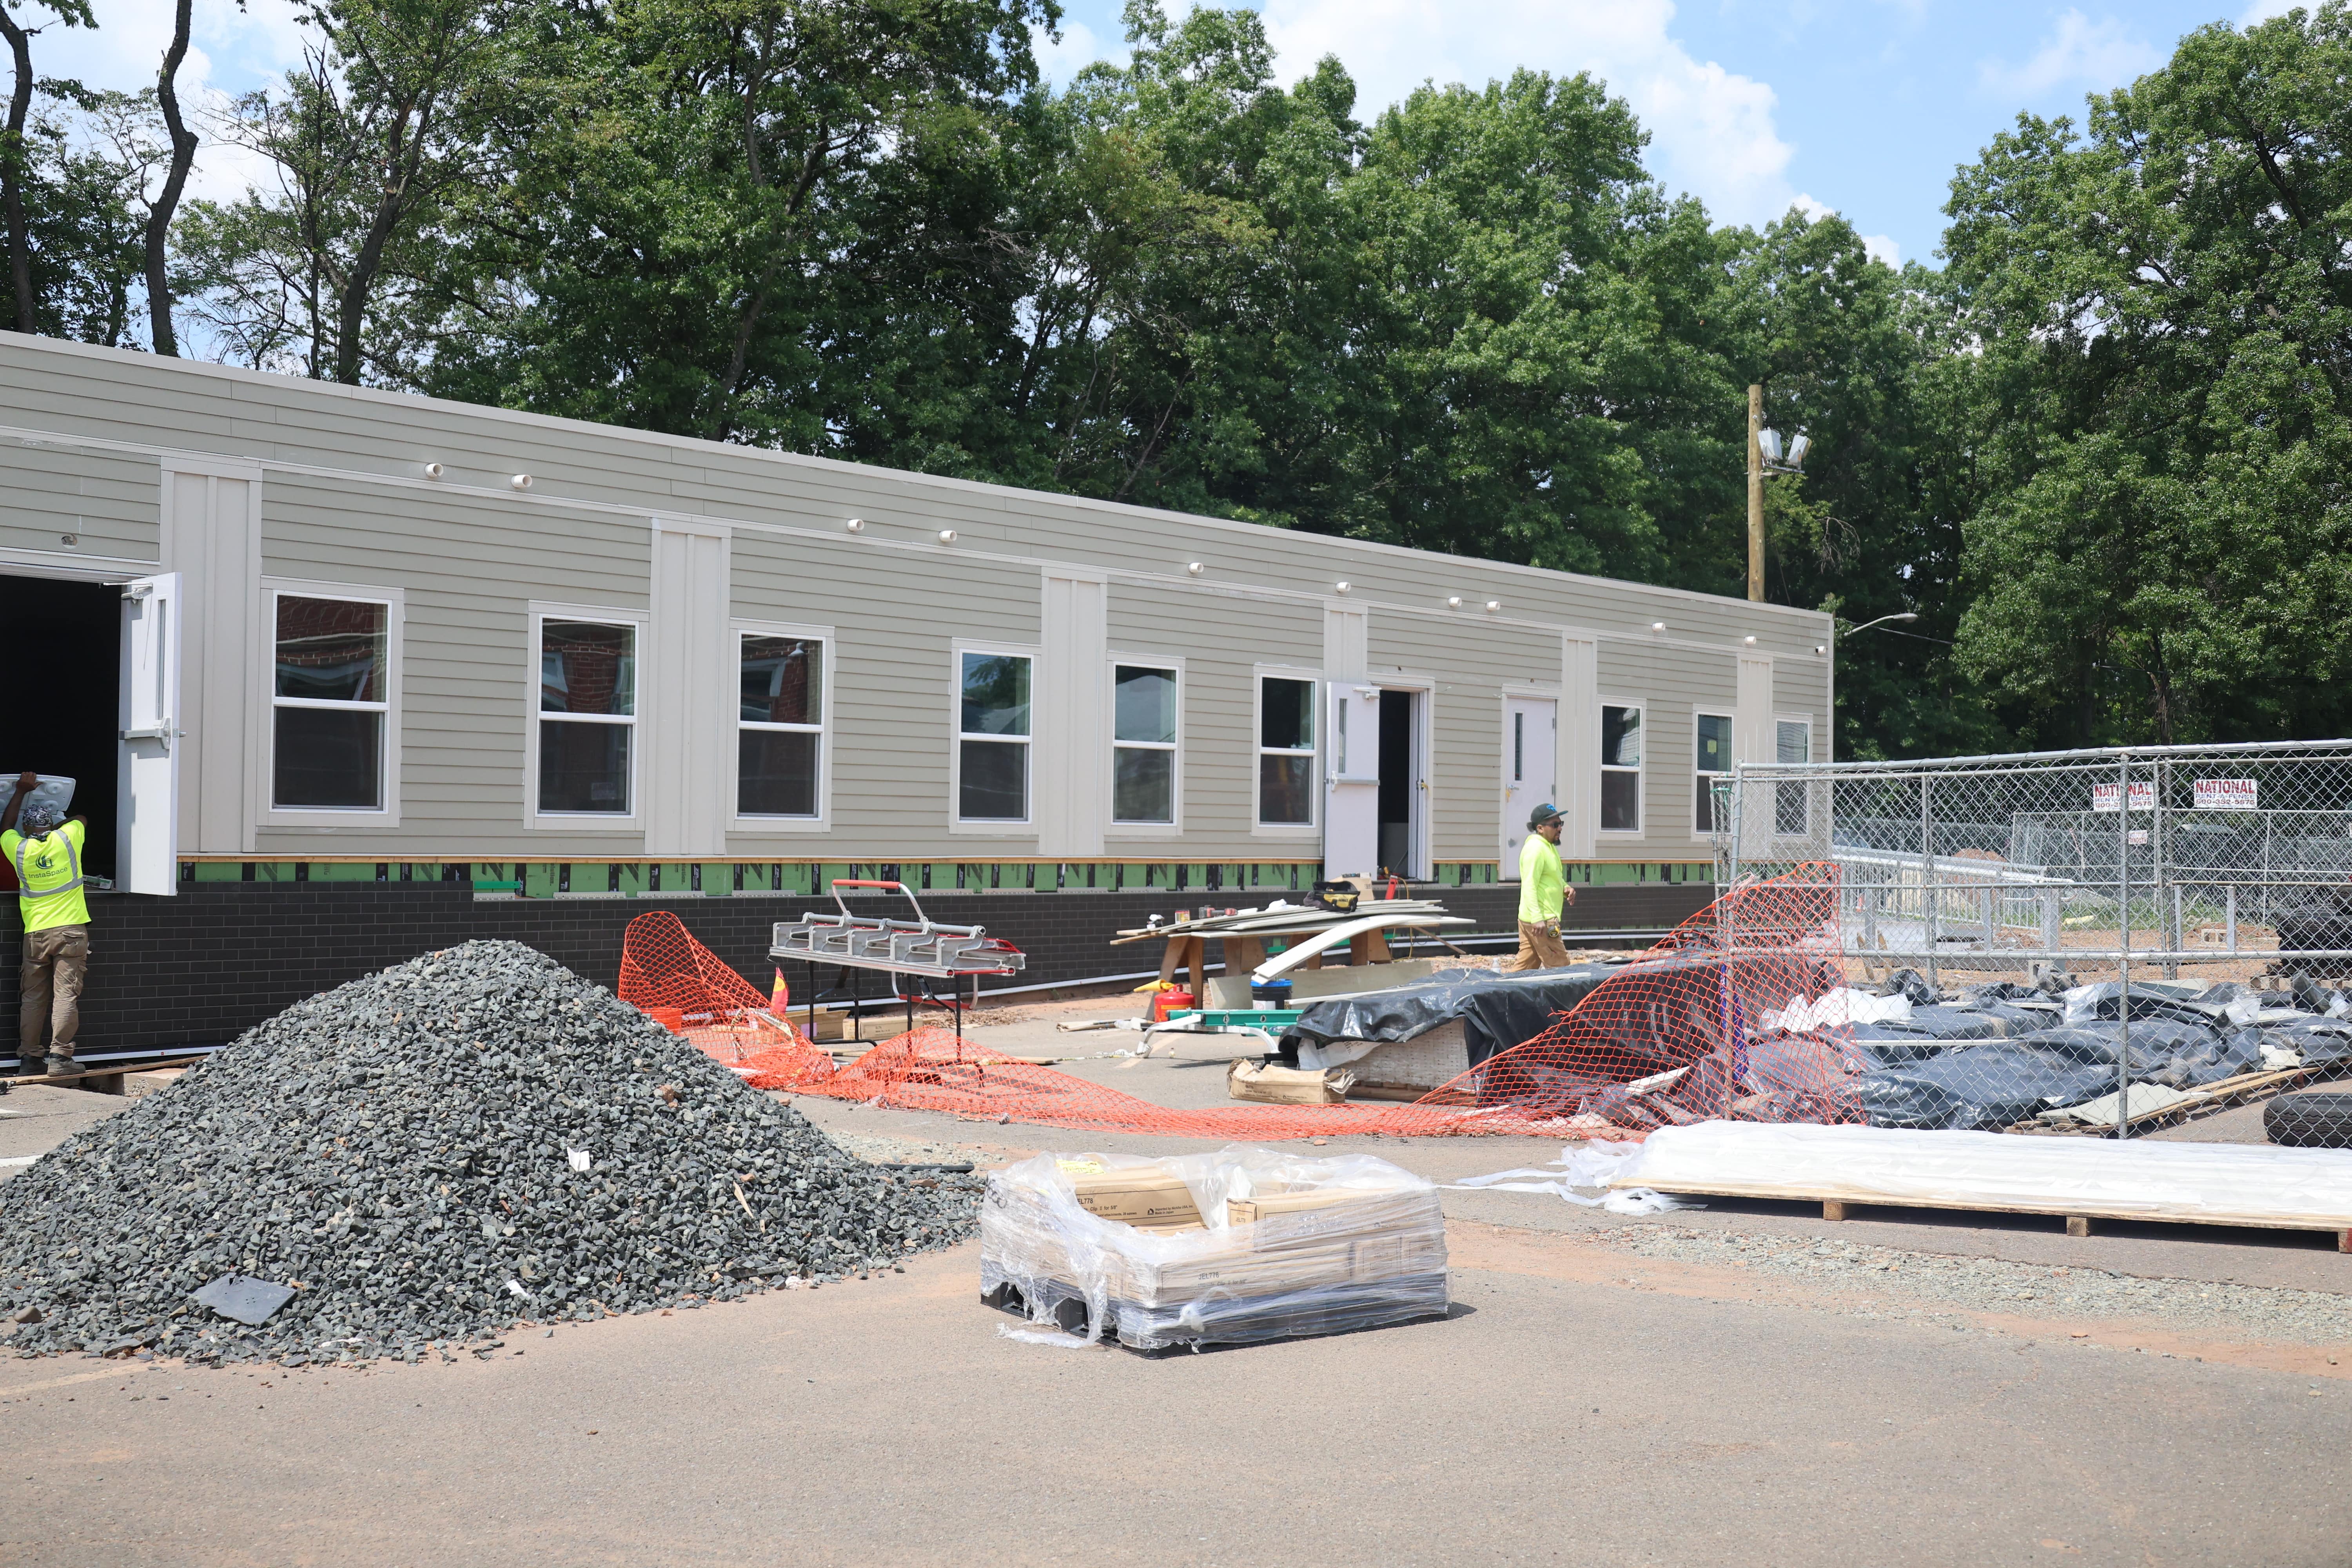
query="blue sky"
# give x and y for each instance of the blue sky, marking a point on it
(1861, 105)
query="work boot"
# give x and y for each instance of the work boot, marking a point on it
(61, 1065)
(29, 1066)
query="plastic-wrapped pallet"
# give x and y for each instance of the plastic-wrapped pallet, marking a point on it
(1272, 1246)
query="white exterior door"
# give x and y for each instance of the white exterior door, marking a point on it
(1352, 750)
(147, 804)
(1530, 752)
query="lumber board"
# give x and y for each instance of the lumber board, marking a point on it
(8, 1083)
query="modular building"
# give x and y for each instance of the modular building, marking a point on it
(282, 630)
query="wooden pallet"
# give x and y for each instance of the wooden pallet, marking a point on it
(2244, 1090)
(96, 1081)
(2076, 1224)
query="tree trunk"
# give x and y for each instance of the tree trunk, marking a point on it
(184, 156)
(11, 172)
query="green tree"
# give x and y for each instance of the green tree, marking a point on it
(16, 153)
(2157, 411)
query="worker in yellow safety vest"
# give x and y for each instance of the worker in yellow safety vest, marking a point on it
(47, 858)
(1543, 893)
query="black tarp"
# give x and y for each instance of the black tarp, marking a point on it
(1993, 1086)
(1498, 1011)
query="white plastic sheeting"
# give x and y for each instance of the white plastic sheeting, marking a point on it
(2215, 1184)
(1372, 1254)
(1842, 1005)
(1586, 1179)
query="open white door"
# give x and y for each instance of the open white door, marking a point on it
(1352, 751)
(147, 819)
(1530, 756)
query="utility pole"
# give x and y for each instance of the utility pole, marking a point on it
(1756, 494)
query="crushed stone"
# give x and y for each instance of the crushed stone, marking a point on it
(401, 1150)
(1935, 1280)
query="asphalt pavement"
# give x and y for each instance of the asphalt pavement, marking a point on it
(1737, 1385)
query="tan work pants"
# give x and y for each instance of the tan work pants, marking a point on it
(55, 961)
(1539, 947)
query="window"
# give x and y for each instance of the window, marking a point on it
(587, 716)
(330, 692)
(1712, 759)
(1143, 744)
(1792, 742)
(1286, 752)
(992, 738)
(779, 724)
(1620, 769)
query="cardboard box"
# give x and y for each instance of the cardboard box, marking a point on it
(1272, 1085)
(1148, 1197)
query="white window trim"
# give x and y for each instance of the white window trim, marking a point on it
(990, 826)
(1641, 775)
(822, 821)
(396, 604)
(541, 612)
(1113, 827)
(1313, 828)
(1729, 716)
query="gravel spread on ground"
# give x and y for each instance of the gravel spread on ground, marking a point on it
(473, 1139)
(1923, 1281)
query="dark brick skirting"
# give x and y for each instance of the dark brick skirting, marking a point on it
(206, 965)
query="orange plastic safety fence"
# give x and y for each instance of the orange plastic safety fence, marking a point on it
(1672, 1038)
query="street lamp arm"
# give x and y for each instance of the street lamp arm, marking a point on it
(1899, 615)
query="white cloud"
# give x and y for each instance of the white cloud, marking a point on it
(2096, 54)
(1080, 48)
(2264, 10)
(1813, 209)
(231, 50)
(1712, 130)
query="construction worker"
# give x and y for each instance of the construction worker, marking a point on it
(47, 858)
(1543, 893)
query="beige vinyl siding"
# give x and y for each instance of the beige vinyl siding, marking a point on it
(1472, 659)
(279, 419)
(470, 572)
(470, 554)
(1671, 681)
(111, 501)
(1222, 635)
(895, 615)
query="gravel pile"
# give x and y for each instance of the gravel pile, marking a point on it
(1996, 1284)
(408, 1151)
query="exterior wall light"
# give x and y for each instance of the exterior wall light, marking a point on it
(1194, 567)
(1455, 603)
(432, 470)
(520, 482)
(1749, 641)
(1341, 587)
(1657, 625)
(856, 525)
(947, 536)
(1493, 607)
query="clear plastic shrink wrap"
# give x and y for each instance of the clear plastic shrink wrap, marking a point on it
(1225, 1248)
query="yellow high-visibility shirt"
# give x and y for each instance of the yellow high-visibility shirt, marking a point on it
(48, 875)
(1543, 886)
